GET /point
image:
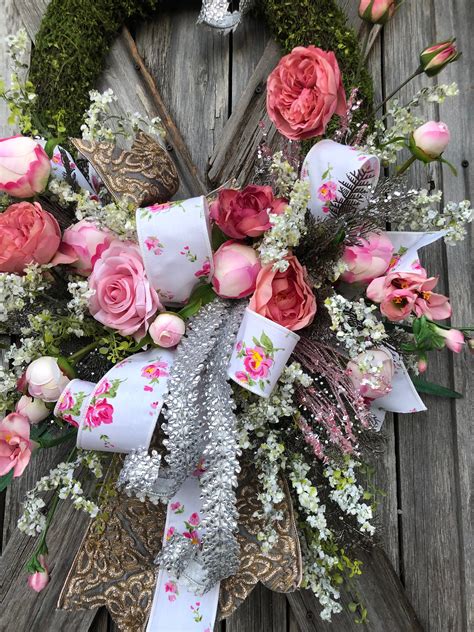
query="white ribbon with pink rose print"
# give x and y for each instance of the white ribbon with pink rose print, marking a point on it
(174, 607)
(327, 164)
(260, 353)
(123, 407)
(175, 242)
(73, 401)
(406, 246)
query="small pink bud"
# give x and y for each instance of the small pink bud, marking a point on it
(39, 580)
(453, 338)
(422, 364)
(430, 140)
(376, 11)
(167, 329)
(434, 58)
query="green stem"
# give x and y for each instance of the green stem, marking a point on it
(417, 72)
(78, 355)
(406, 165)
(363, 50)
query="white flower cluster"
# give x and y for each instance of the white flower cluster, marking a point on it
(29, 349)
(118, 218)
(100, 124)
(288, 227)
(284, 174)
(81, 294)
(308, 498)
(17, 44)
(258, 413)
(61, 479)
(16, 290)
(386, 141)
(355, 324)
(348, 495)
(425, 215)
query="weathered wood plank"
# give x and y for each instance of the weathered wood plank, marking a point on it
(432, 549)
(262, 611)
(190, 65)
(378, 589)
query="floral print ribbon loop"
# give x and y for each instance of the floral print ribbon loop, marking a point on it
(176, 261)
(124, 405)
(327, 166)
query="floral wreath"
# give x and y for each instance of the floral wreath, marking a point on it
(272, 325)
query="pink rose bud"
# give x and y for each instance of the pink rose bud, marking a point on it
(34, 409)
(376, 11)
(45, 379)
(368, 259)
(434, 58)
(27, 235)
(81, 246)
(429, 141)
(39, 580)
(371, 373)
(15, 444)
(236, 267)
(24, 167)
(422, 363)
(167, 329)
(453, 338)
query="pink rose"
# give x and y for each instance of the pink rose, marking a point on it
(284, 297)
(241, 214)
(167, 329)
(123, 300)
(81, 246)
(39, 580)
(430, 140)
(101, 412)
(194, 519)
(371, 373)
(45, 379)
(304, 91)
(236, 267)
(66, 401)
(33, 409)
(103, 387)
(155, 370)
(24, 167)
(27, 235)
(15, 444)
(376, 11)
(401, 293)
(257, 363)
(435, 58)
(368, 259)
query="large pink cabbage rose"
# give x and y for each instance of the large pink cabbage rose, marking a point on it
(124, 299)
(284, 297)
(24, 167)
(304, 91)
(27, 235)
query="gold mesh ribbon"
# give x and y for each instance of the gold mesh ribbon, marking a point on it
(114, 565)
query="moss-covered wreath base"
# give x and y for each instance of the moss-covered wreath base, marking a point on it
(75, 36)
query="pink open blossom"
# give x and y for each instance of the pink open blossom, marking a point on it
(15, 444)
(155, 370)
(256, 362)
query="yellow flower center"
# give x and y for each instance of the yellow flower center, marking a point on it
(426, 295)
(257, 358)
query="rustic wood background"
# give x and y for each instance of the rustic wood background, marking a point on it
(421, 577)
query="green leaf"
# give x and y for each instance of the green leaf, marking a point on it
(218, 238)
(429, 388)
(50, 145)
(5, 480)
(201, 296)
(267, 344)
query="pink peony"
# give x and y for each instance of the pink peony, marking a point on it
(304, 91)
(167, 329)
(368, 259)
(257, 363)
(15, 444)
(101, 412)
(371, 373)
(236, 267)
(81, 246)
(241, 214)
(39, 580)
(123, 300)
(24, 167)
(27, 235)
(284, 297)
(403, 293)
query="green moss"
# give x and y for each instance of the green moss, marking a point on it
(69, 55)
(75, 36)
